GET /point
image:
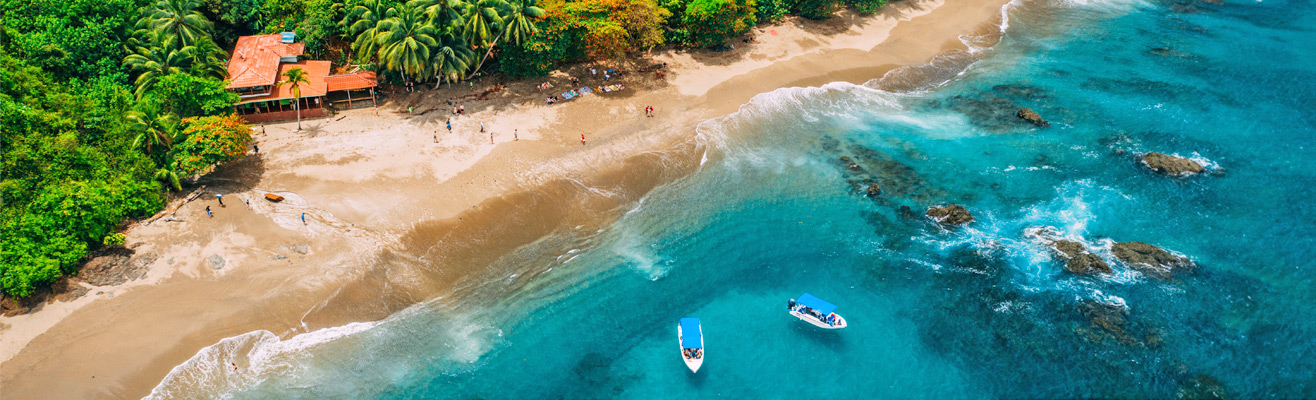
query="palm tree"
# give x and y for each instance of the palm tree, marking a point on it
(364, 22)
(480, 21)
(517, 17)
(208, 60)
(154, 56)
(451, 58)
(442, 13)
(406, 40)
(295, 77)
(168, 176)
(155, 129)
(178, 17)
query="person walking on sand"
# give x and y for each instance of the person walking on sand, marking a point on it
(248, 201)
(208, 213)
(582, 139)
(516, 136)
(481, 127)
(491, 138)
(220, 197)
(303, 218)
(262, 128)
(449, 125)
(436, 137)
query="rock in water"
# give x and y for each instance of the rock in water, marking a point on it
(1151, 260)
(953, 214)
(1171, 165)
(874, 190)
(1079, 260)
(1027, 114)
(216, 262)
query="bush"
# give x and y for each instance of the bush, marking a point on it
(114, 239)
(769, 11)
(815, 9)
(866, 7)
(712, 22)
(210, 140)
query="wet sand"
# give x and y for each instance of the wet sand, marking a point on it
(394, 218)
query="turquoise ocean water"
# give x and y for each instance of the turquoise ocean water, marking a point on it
(975, 312)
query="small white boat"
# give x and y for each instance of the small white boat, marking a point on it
(816, 311)
(692, 345)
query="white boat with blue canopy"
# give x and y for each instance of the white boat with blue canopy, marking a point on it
(816, 311)
(691, 336)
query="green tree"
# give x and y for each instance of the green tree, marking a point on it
(210, 140)
(179, 18)
(364, 21)
(187, 96)
(451, 58)
(480, 21)
(405, 42)
(154, 56)
(295, 77)
(515, 20)
(712, 22)
(155, 129)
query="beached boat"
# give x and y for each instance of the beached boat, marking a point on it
(816, 311)
(692, 344)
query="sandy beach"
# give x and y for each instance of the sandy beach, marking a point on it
(385, 208)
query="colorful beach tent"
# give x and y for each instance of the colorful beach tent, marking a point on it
(817, 304)
(690, 336)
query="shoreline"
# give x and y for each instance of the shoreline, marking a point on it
(395, 219)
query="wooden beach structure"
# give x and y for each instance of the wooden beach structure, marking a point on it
(258, 64)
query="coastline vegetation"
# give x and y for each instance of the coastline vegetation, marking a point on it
(107, 105)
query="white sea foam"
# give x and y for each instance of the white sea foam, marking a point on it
(258, 354)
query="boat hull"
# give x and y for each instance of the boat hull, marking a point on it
(840, 321)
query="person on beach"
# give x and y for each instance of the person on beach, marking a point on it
(262, 128)
(593, 72)
(481, 127)
(449, 125)
(248, 201)
(255, 148)
(235, 367)
(582, 139)
(409, 108)
(491, 138)
(303, 218)
(436, 137)
(220, 197)
(516, 137)
(208, 213)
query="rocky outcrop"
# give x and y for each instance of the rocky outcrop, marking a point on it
(873, 190)
(1027, 114)
(1151, 260)
(1171, 165)
(1078, 260)
(953, 214)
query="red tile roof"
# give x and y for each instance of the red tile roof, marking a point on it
(255, 60)
(356, 80)
(316, 72)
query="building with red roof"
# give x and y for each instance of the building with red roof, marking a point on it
(258, 64)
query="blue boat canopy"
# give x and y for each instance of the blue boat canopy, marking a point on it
(690, 336)
(817, 304)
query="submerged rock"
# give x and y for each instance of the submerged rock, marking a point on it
(1108, 319)
(1171, 165)
(1027, 114)
(1079, 260)
(1151, 260)
(1201, 387)
(873, 190)
(953, 214)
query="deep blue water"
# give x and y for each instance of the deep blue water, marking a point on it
(973, 312)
